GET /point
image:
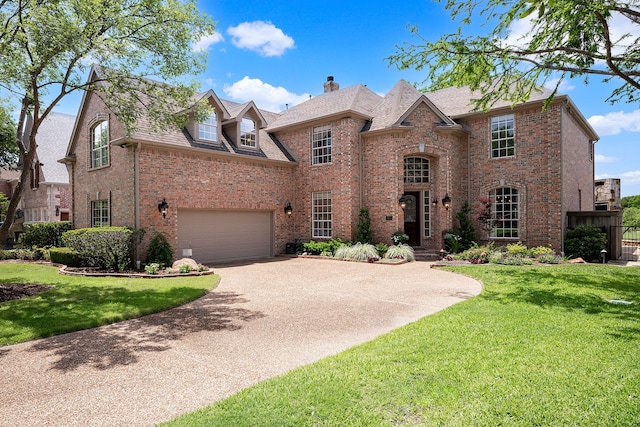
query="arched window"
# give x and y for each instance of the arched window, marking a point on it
(100, 144)
(416, 170)
(505, 213)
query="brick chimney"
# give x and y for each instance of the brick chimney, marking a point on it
(330, 85)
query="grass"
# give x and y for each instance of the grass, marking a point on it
(77, 303)
(542, 345)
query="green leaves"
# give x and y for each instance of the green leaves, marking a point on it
(561, 38)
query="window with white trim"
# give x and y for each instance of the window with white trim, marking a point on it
(208, 129)
(248, 133)
(502, 136)
(100, 144)
(426, 216)
(99, 213)
(505, 213)
(322, 216)
(416, 170)
(321, 145)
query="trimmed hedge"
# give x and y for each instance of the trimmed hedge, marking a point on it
(44, 234)
(107, 248)
(65, 256)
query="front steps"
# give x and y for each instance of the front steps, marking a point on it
(426, 254)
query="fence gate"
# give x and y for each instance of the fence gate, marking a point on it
(630, 243)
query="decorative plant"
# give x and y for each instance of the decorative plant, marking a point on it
(152, 268)
(482, 214)
(399, 237)
(365, 235)
(184, 268)
(585, 241)
(453, 243)
(160, 251)
(400, 251)
(465, 228)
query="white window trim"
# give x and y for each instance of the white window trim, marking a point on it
(97, 152)
(322, 215)
(322, 144)
(505, 142)
(248, 138)
(426, 213)
(207, 131)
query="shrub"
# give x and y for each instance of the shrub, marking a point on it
(453, 243)
(65, 256)
(152, 268)
(512, 260)
(184, 268)
(160, 251)
(107, 248)
(465, 228)
(365, 235)
(540, 251)
(399, 237)
(548, 259)
(400, 251)
(357, 252)
(317, 248)
(585, 241)
(496, 258)
(517, 249)
(44, 234)
(477, 254)
(382, 249)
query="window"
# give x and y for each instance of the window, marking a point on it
(99, 213)
(321, 145)
(505, 213)
(100, 145)
(208, 129)
(248, 133)
(502, 136)
(416, 170)
(426, 216)
(322, 216)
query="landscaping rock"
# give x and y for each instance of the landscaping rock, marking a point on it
(192, 263)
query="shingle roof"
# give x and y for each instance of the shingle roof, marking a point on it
(457, 101)
(52, 139)
(356, 99)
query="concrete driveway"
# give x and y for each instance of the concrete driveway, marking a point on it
(263, 320)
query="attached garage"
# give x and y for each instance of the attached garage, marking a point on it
(216, 236)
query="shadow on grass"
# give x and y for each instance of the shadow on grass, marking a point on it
(122, 343)
(589, 292)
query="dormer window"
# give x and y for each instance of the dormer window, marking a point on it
(248, 133)
(208, 129)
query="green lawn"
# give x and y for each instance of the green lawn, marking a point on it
(541, 346)
(84, 302)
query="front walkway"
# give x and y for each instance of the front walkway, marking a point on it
(263, 320)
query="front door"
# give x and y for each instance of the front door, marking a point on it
(412, 217)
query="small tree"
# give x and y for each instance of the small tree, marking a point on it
(482, 214)
(365, 235)
(160, 251)
(585, 241)
(465, 228)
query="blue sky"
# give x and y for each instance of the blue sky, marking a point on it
(281, 52)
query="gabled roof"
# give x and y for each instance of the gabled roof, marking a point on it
(401, 100)
(53, 138)
(457, 101)
(356, 100)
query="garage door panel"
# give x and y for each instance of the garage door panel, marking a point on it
(220, 236)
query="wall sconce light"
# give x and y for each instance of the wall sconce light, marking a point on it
(434, 202)
(446, 201)
(162, 208)
(288, 209)
(57, 210)
(403, 202)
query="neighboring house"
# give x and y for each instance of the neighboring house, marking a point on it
(247, 182)
(46, 196)
(607, 194)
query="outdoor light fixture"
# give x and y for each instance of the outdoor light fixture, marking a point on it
(446, 202)
(288, 209)
(162, 208)
(403, 202)
(434, 202)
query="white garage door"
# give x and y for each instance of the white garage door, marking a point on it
(220, 236)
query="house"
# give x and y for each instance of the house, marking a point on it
(246, 183)
(47, 196)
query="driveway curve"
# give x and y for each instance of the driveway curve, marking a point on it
(264, 319)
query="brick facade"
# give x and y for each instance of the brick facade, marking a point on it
(552, 168)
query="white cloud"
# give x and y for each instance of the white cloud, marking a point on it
(565, 85)
(263, 94)
(631, 177)
(206, 41)
(262, 37)
(604, 159)
(616, 122)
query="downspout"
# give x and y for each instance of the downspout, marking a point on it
(563, 220)
(136, 197)
(360, 169)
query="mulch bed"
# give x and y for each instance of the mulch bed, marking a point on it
(11, 291)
